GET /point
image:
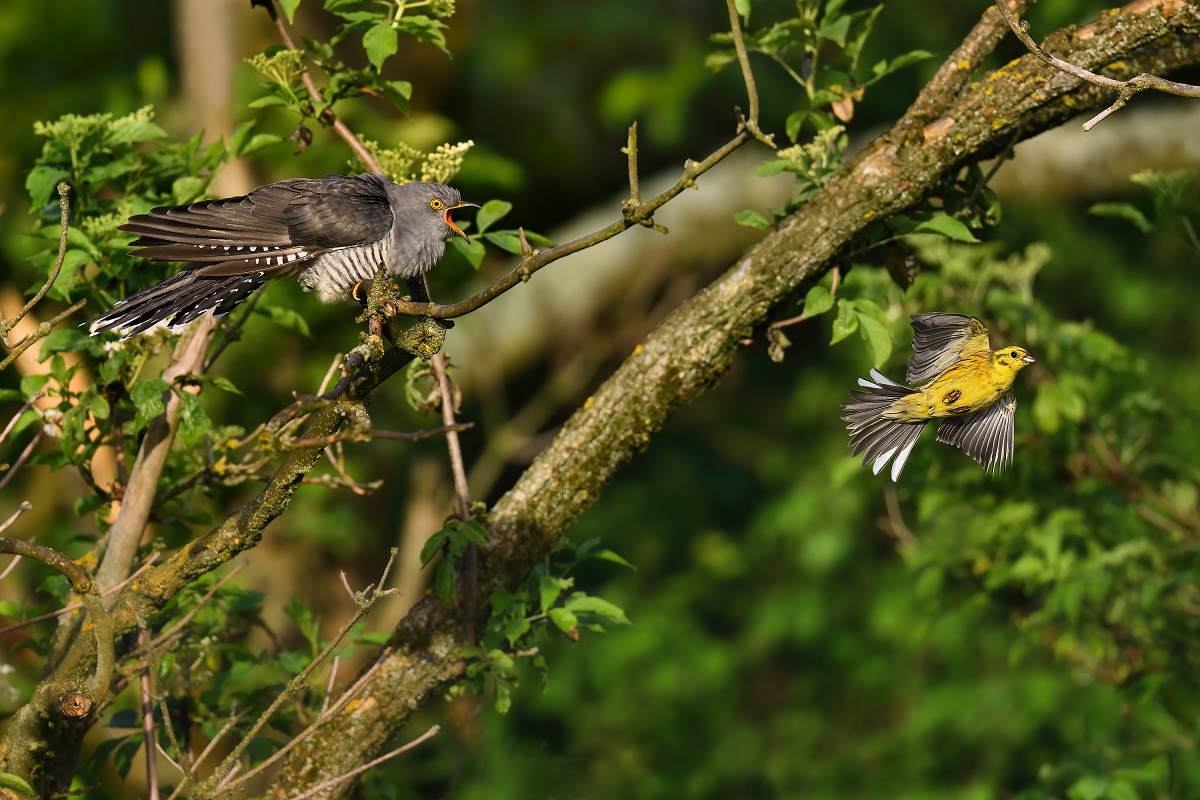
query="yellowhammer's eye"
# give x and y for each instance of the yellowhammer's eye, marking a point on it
(436, 204)
(1013, 354)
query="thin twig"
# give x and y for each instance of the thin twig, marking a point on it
(150, 742)
(330, 118)
(21, 459)
(64, 214)
(739, 46)
(21, 509)
(1125, 89)
(333, 671)
(12, 423)
(224, 772)
(470, 563)
(346, 697)
(399, 436)
(323, 785)
(42, 331)
(537, 260)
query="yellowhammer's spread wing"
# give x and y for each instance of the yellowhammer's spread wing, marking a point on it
(941, 339)
(986, 436)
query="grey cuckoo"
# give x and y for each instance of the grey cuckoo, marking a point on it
(331, 234)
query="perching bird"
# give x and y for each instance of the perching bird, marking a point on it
(330, 233)
(958, 378)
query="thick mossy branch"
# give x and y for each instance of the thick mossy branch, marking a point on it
(952, 124)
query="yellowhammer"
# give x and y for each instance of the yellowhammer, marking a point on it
(959, 378)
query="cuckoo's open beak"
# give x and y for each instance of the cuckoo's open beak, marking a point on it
(450, 222)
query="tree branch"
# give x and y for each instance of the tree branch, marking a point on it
(1125, 89)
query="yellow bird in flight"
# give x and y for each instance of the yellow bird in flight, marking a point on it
(957, 378)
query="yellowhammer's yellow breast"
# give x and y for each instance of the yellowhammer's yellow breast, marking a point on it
(969, 385)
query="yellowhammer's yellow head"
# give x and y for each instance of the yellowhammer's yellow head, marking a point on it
(1011, 359)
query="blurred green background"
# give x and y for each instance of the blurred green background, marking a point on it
(801, 629)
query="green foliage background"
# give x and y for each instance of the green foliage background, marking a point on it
(799, 627)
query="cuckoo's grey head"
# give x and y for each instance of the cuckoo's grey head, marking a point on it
(423, 224)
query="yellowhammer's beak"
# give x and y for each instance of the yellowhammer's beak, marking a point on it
(1029, 359)
(450, 222)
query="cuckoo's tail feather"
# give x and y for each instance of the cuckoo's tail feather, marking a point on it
(177, 300)
(876, 437)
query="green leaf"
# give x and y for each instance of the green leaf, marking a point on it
(444, 581)
(751, 219)
(846, 322)
(817, 301)
(16, 784)
(743, 10)
(605, 554)
(223, 383)
(188, 188)
(260, 141)
(398, 92)
(947, 226)
(505, 240)
(268, 100)
(514, 629)
(433, 546)
(473, 252)
(285, 318)
(1124, 211)
(289, 9)
(131, 129)
(491, 211)
(565, 620)
(580, 603)
(63, 340)
(380, 42)
(193, 422)
(549, 588)
(147, 395)
(878, 337)
(41, 183)
(882, 68)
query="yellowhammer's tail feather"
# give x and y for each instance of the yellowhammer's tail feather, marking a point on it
(880, 439)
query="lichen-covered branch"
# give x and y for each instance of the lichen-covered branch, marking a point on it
(692, 348)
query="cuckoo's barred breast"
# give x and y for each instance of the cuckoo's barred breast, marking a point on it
(329, 233)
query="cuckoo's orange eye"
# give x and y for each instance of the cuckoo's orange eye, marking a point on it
(436, 204)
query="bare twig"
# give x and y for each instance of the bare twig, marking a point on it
(6, 326)
(21, 509)
(1125, 89)
(150, 742)
(399, 436)
(323, 785)
(21, 459)
(364, 602)
(750, 124)
(346, 697)
(12, 423)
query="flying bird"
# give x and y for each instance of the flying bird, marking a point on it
(958, 379)
(329, 233)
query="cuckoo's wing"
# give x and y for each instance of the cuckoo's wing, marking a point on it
(940, 339)
(986, 436)
(271, 231)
